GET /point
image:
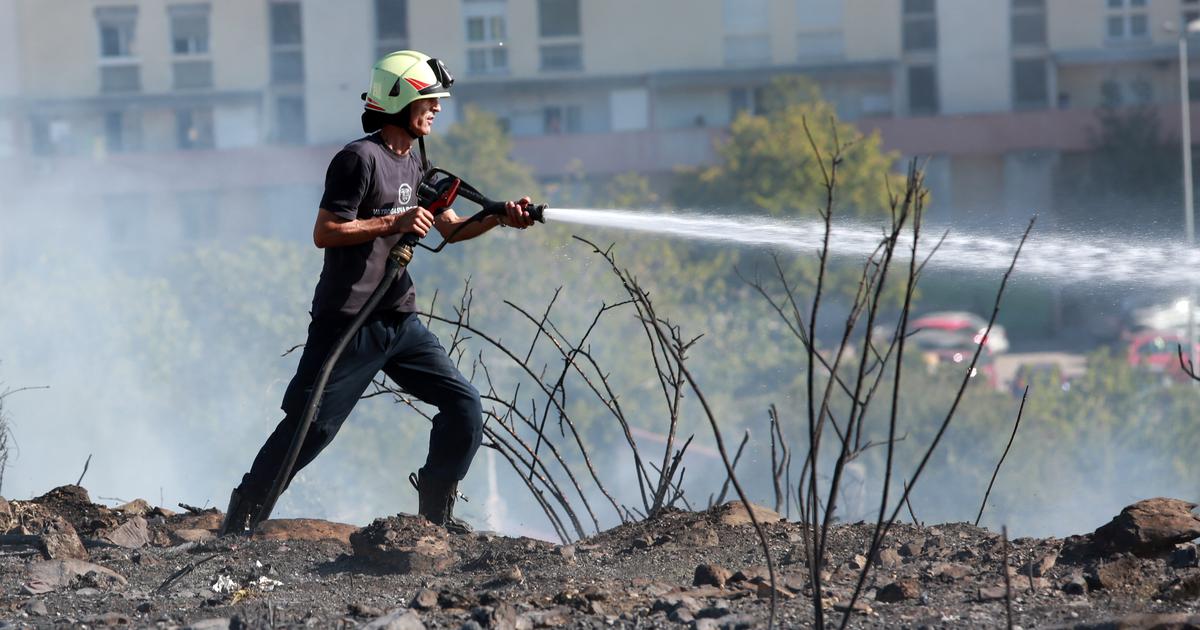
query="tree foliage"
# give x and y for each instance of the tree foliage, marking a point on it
(768, 162)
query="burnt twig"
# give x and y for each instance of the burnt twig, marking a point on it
(996, 472)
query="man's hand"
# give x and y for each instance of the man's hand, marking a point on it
(516, 215)
(418, 220)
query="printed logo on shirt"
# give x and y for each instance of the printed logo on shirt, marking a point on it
(405, 193)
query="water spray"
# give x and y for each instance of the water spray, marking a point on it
(438, 189)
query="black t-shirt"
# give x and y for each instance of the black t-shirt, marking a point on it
(364, 180)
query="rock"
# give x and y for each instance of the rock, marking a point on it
(734, 514)
(399, 619)
(860, 607)
(500, 617)
(1074, 585)
(757, 573)
(898, 591)
(1119, 573)
(133, 534)
(7, 519)
(304, 529)
(949, 572)
(136, 507)
(210, 624)
(696, 536)
(1147, 621)
(568, 553)
(1040, 566)
(50, 575)
(991, 593)
(454, 599)
(35, 608)
(59, 541)
(182, 536)
(668, 603)
(857, 562)
(889, 558)
(425, 599)
(404, 544)
(716, 611)
(364, 610)
(681, 615)
(107, 620)
(206, 519)
(913, 548)
(550, 618)
(1148, 526)
(764, 590)
(1185, 557)
(711, 574)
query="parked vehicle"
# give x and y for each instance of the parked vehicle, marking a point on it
(1033, 373)
(940, 348)
(1158, 351)
(966, 323)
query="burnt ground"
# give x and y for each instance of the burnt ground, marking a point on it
(168, 571)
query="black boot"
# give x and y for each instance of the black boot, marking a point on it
(243, 506)
(435, 498)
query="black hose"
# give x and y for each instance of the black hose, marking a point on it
(390, 273)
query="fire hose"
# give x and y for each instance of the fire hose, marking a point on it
(437, 190)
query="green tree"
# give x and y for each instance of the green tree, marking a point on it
(768, 162)
(478, 150)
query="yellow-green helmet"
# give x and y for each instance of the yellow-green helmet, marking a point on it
(403, 77)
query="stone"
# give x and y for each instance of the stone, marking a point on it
(681, 615)
(206, 519)
(949, 572)
(1040, 566)
(1116, 574)
(857, 562)
(898, 591)
(7, 518)
(404, 544)
(1148, 526)
(860, 607)
(501, 617)
(734, 514)
(399, 619)
(890, 558)
(210, 624)
(50, 575)
(35, 608)
(425, 599)
(136, 507)
(1185, 557)
(183, 536)
(1074, 585)
(991, 593)
(671, 602)
(364, 610)
(132, 534)
(59, 541)
(757, 573)
(550, 618)
(715, 611)
(568, 553)
(310, 529)
(913, 548)
(107, 620)
(711, 574)
(764, 590)
(696, 536)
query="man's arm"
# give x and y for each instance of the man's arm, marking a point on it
(516, 216)
(332, 230)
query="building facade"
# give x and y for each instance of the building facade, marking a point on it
(201, 114)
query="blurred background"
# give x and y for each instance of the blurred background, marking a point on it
(161, 162)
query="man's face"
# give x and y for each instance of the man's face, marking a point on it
(423, 113)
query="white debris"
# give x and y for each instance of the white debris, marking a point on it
(225, 584)
(266, 584)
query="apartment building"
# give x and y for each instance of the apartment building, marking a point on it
(217, 117)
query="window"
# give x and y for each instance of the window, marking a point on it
(122, 131)
(287, 43)
(194, 128)
(1030, 89)
(120, 78)
(562, 119)
(486, 25)
(558, 18)
(746, 100)
(747, 32)
(562, 57)
(189, 29)
(1126, 20)
(391, 26)
(1028, 22)
(920, 25)
(290, 122)
(118, 30)
(922, 90)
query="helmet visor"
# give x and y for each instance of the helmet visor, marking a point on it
(444, 80)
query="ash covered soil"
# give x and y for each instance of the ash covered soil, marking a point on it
(66, 562)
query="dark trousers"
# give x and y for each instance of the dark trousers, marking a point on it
(404, 349)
